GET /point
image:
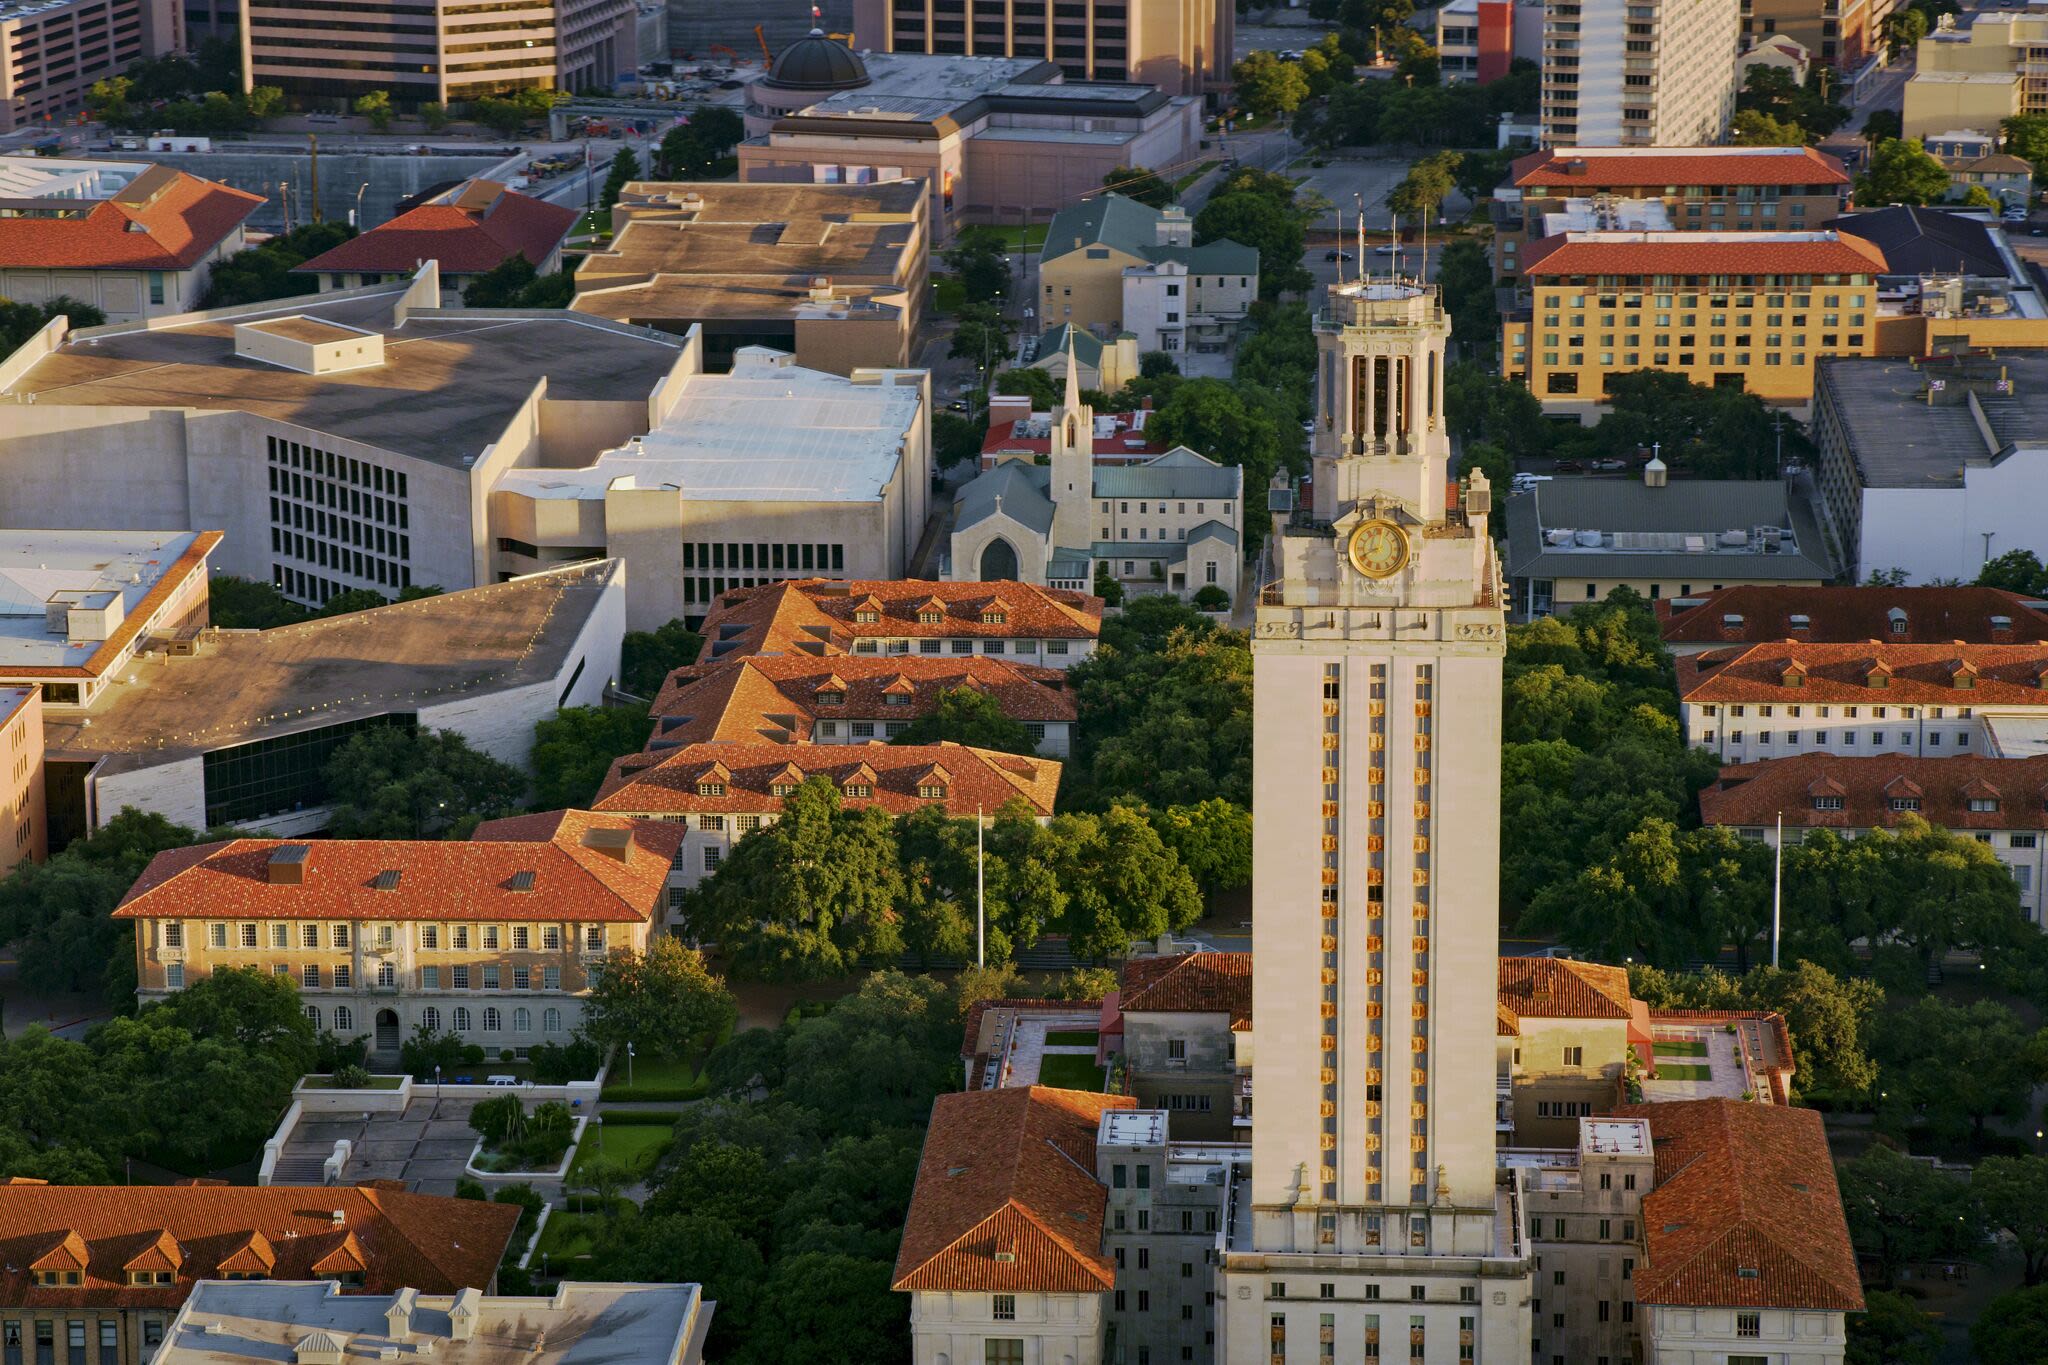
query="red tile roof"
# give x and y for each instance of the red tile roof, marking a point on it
(1016, 436)
(1847, 615)
(1553, 988)
(816, 616)
(395, 1240)
(1190, 983)
(667, 783)
(573, 878)
(1006, 1198)
(1745, 1213)
(775, 699)
(1701, 253)
(2013, 675)
(1597, 168)
(1754, 793)
(467, 237)
(161, 220)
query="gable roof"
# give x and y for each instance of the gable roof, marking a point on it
(816, 616)
(571, 879)
(1745, 1213)
(1926, 241)
(777, 698)
(1009, 1174)
(1125, 225)
(1013, 489)
(397, 1239)
(1190, 983)
(1684, 252)
(1584, 168)
(976, 779)
(472, 234)
(2006, 674)
(1177, 473)
(1846, 615)
(1556, 988)
(1754, 794)
(163, 219)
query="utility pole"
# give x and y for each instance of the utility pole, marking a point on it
(1778, 891)
(313, 145)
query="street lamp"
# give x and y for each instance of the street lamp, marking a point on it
(598, 1120)
(629, 1066)
(355, 215)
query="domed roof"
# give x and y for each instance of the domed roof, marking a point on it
(816, 62)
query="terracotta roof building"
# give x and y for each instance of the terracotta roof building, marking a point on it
(1777, 700)
(849, 699)
(2003, 802)
(129, 1256)
(1055, 627)
(1185, 1023)
(470, 229)
(1823, 284)
(133, 239)
(1760, 613)
(1190, 983)
(1564, 1029)
(494, 939)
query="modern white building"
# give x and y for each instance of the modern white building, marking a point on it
(1933, 467)
(766, 473)
(1374, 1207)
(132, 239)
(1171, 524)
(1617, 74)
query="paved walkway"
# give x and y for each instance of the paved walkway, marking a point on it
(426, 1146)
(1029, 1049)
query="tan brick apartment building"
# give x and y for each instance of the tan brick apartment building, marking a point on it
(1702, 189)
(51, 51)
(495, 940)
(24, 818)
(1181, 46)
(1842, 33)
(1752, 310)
(93, 1275)
(442, 51)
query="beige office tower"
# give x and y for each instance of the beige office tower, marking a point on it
(1377, 1222)
(1622, 73)
(1184, 47)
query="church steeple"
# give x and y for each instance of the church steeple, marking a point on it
(1072, 483)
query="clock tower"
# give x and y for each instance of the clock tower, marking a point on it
(1377, 691)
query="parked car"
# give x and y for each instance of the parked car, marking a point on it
(1389, 250)
(1610, 464)
(1338, 256)
(1570, 467)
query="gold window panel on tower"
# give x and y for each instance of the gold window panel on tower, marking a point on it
(1418, 977)
(1329, 876)
(1372, 1142)
(1420, 844)
(1418, 1044)
(1372, 1075)
(1329, 976)
(1422, 810)
(1329, 1173)
(1418, 1110)
(1418, 1075)
(1375, 708)
(1328, 1109)
(1329, 810)
(1329, 843)
(1372, 1009)
(1422, 777)
(1329, 1042)
(1421, 709)
(1372, 1109)
(1332, 741)
(1376, 809)
(1374, 876)
(1329, 1010)
(1329, 708)
(1329, 1142)
(1375, 844)
(1374, 943)
(1418, 944)
(1418, 1143)
(1329, 774)
(1422, 876)
(1328, 1076)
(1418, 1010)
(1329, 943)
(1422, 744)
(1372, 976)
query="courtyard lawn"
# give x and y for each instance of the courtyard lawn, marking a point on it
(948, 293)
(1674, 1071)
(636, 1146)
(567, 1236)
(1021, 237)
(1681, 1047)
(376, 1083)
(1067, 1071)
(1084, 1037)
(666, 1079)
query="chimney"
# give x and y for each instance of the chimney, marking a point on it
(286, 866)
(1655, 474)
(398, 1317)
(462, 1314)
(615, 844)
(337, 1219)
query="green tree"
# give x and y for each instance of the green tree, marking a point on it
(647, 657)
(393, 782)
(246, 604)
(967, 715)
(810, 896)
(663, 1249)
(434, 115)
(1959, 1065)
(2019, 571)
(1479, 406)
(504, 117)
(830, 1307)
(1140, 183)
(1122, 882)
(625, 169)
(1428, 183)
(666, 1002)
(956, 438)
(107, 100)
(2013, 1328)
(1904, 28)
(1212, 839)
(879, 1057)
(1830, 1018)
(1106, 587)
(261, 273)
(1275, 229)
(1466, 278)
(1901, 1211)
(981, 335)
(1901, 172)
(376, 107)
(1268, 86)
(1029, 382)
(717, 127)
(978, 258)
(20, 321)
(263, 102)
(1880, 125)
(574, 749)
(1232, 424)
(2013, 1191)
(514, 283)
(1892, 1330)
(1754, 128)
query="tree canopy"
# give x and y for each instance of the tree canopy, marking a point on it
(1140, 183)
(259, 273)
(1901, 172)
(395, 782)
(647, 657)
(574, 749)
(665, 1001)
(967, 715)
(20, 321)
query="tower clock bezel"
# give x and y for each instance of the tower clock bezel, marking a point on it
(1354, 548)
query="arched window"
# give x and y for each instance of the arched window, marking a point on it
(522, 1020)
(494, 1020)
(462, 1021)
(344, 1019)
(313, 1014)
(430, 1019)
(998, 561)
(551, 1020)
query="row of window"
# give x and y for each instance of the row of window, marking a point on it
(872, 645)
(430, 937)
(1327, 1290)
(1793, 738)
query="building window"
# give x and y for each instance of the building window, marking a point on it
(1003, 1307)
(1749, 1324)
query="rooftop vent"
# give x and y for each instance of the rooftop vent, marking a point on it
(521, 881)
(2001, 623)
(308, 345)
(616, 844)
(388, 879)
(1801, 621)
(287, 867)
(338, 1218)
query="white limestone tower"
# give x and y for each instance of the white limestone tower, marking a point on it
(1072, 481)
(1377, 691)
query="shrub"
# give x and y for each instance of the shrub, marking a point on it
(558, 1064)
(465, 1188)
(1212, 598)
(350, 1077)
(499, 1121)
(334, 1053)
(425, 1050)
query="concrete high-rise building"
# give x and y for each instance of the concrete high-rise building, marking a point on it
(1181, 46)
(1375, 1203)
(54, 50)
(443, 51)
(1842, 33)
(1617, 73)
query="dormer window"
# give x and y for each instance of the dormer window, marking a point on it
(1905, 803)
(1965, 676)
(896, 699)
(782, 788)
(994, 617)
(711, 788)
(1983, 805)
(1801, 621)
(2001, 623)
(831, 699)
(57, 1279)
(1827, 803)
(867, 616)
(1898, 620)
(929, 617)
(1879, 676)
(145, 1278)
(858, 789)
(931, 791)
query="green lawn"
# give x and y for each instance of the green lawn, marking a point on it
(1681, 1047)
(632, 1145)
(567, 1236)
(1020, 236)
(376, 1083)
(1069, 1072)
(653, 1078)
(1192, 176)
(1674, 1071)
(1086, 1037)
(948, 294)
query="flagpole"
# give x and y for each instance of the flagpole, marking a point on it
(980, 914)
(1778, 890)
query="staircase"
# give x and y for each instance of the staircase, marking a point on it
(300, 1170)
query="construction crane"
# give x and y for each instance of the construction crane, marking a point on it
(731, 58)
(767, 57)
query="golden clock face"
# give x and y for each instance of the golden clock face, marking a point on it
(1378, 549)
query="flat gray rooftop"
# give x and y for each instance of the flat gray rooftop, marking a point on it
(36, 564)
(448, 384)
(246, 685)
(1899, 440)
